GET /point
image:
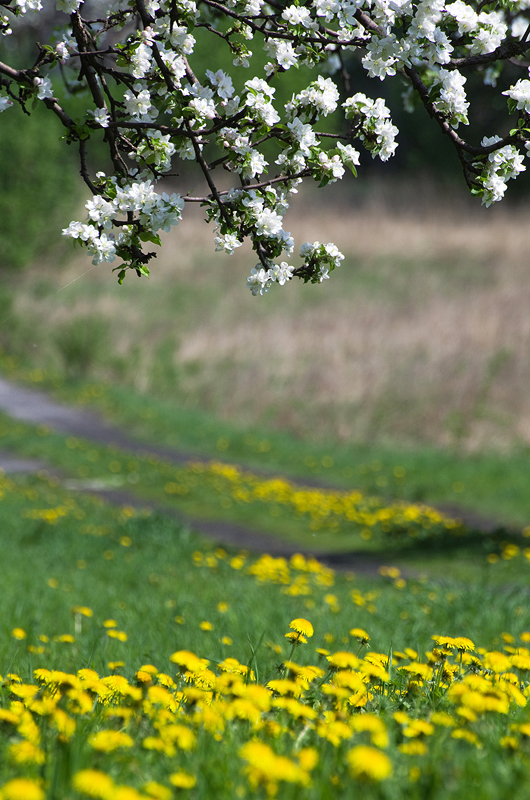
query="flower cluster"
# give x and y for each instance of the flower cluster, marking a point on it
(370, 715)
(324, 510)
(157, 105)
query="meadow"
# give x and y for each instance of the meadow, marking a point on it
(377, 417)
(139, 661)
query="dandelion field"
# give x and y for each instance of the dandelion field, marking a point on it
(139, 661)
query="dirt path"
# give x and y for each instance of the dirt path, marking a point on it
(38, 408)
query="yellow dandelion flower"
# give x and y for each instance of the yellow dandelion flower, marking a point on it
(206, 626)
(26, 753)
(18, 633)
(298, 638)
(302, 626)
(65, 638)
(222, 607)
(467, 736)
(22, 789)
(509, 742)
(360, 634)
(121, 636)
(143, 677)
(368, 763)
(463, 644)
(414, 748)
(107, 741)
(94, 783)
(183, 780)
(83, 610)
(445, 641)
(110, 623)
(188, 661)
(496, 661)
(157, 791)
(126, 793)
(308, 758)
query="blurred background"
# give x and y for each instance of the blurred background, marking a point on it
(422, 337)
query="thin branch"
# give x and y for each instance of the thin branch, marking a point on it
(282, 179)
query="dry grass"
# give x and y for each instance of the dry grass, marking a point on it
(422, 335)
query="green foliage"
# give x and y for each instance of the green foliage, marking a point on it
(38, 176)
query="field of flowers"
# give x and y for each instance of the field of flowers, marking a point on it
(341, 519)
(139, 662)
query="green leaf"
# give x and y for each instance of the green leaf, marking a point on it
(149, 236)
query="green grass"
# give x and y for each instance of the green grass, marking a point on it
(434, 551)
(493, 483)
(160, 583)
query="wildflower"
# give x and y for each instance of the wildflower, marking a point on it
(302, 626)
(26, 753)
(265, 767)
(18, 633)
(368, 763)
(94, 783)
(183, 780)
(107, 741)
(157, 791)
(83, 610)
(188, 661)
(121, 636)
(361, 635)
(22, 789)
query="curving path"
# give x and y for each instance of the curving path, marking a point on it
(38, 408)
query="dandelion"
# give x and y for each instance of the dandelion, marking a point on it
(302, 627)
(26, 753)
(22, 789)
(83, 610)
(361, 635)
(121, 636)
(94, 783)
(157, 791)
(183, 780)
(368, 763)
(108, 741)
(18, 633)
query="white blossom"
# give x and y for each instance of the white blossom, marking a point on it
(521, 94)
(101, 116)
(259, 280)
(228, 243)
(221, 82)
(44, 87)
(138, 105)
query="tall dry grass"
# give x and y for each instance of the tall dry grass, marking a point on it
(422, 335)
